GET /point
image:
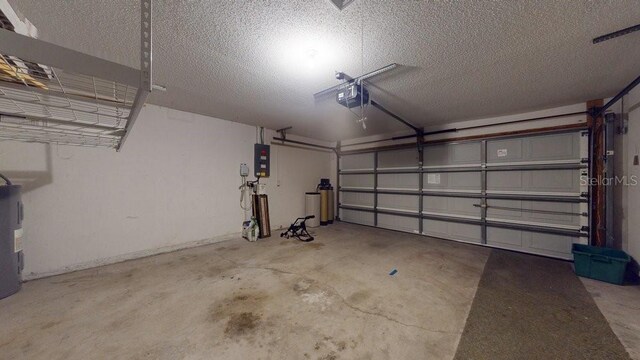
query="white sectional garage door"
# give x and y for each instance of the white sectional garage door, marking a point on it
(518, 193)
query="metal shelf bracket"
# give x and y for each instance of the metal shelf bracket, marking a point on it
(146, 67)
(51, 94)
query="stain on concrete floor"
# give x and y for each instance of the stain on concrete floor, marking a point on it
(241, 324)
(272, 299)
(329, 299)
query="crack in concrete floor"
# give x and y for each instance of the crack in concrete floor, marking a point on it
(166, 297)
(335, 292)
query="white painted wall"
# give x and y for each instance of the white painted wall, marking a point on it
(174, 184)
(627, 198)
(294, 171)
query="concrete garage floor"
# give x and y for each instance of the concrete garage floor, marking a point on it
(621, 306)
(274, 299)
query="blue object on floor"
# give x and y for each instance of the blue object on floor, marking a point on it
(393, 272)
(600, 263)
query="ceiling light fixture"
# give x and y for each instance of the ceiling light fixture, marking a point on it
(311, 57)
(305, 54)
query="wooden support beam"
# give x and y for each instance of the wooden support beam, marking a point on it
(597, 172)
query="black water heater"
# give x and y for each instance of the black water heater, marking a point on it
(11, 256)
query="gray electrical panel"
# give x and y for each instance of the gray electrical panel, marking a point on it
(11, 258)
(262, 159)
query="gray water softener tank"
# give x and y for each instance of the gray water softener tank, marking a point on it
(11, 257)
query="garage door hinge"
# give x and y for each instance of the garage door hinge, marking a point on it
(584, 228)
(584, 160)
(584, 194)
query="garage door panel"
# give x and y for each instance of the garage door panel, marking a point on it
(435, 228)
(527, 166)
(507, 150)
(554, 180)
(505, 180)
(508, 237)
(518, 210)
(407, 158)
(357, 217)
(399, 202)
(466, 232)
(556, 212)
(438, 204)
(553, 147)
(451, 205)
(452, 181)
(436, 155)
(357, 162)
(551, 244)
(532, 242)
(401, 223)
(358, 199)
(398, 181)
(505, 214)
(452, 154)
(469, 153)
(465, 180)
(357, 181)
(451, 230)
(561, 181)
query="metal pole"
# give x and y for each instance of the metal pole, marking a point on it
(615, 34)
(623, 92)
(382, 108)
(590, 188)
(423, 134)
(420, 186)
(357, 80)
(469, 128)
(304, 143)
(483, 189)
(337, 151)
(375, 188)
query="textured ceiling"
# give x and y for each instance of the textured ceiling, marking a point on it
(260, 61)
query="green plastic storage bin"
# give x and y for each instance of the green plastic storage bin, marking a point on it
(600, 263)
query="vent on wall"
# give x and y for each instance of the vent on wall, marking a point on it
(341, 4)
